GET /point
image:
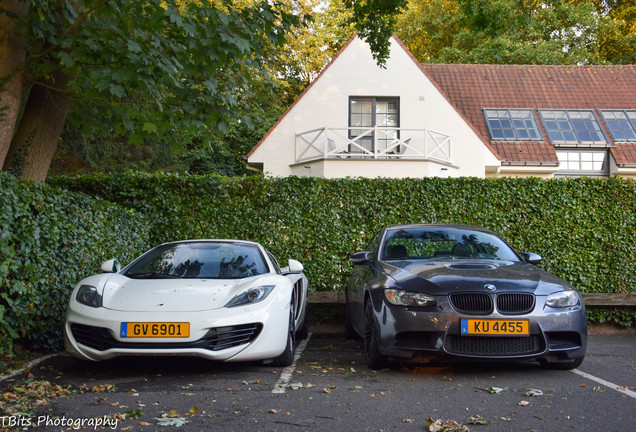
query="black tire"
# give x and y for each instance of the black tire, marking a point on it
(569, 365)
(303, 331)
(372, 356)
(287, 357)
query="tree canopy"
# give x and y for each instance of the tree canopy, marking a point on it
(144, 70)
(114, 77)
(520, 31)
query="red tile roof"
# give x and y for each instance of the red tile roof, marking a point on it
(473, 87)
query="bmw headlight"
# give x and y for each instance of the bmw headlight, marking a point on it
(252, 295)
(408, 298)
(88, 295)
(562, 299)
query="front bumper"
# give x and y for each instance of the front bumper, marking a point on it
(233, 334)
(430, 334)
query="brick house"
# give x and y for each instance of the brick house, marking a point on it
(421, 120)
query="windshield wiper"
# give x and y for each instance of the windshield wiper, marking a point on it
(151, 275)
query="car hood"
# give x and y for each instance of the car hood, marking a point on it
(169, 295)
(447, 276)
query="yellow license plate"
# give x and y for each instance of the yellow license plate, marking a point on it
(155, 329)
(495, 327)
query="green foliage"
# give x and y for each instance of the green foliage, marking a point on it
(584, 228)
(82, 152)
(154, 70)
(624, 317)
(49, 240)
(519, 32)
(376, 20)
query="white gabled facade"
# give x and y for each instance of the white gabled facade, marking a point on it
(316, 138)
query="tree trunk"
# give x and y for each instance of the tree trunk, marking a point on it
(12, 55)
(39, 130)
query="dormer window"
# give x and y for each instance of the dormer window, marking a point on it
(572, 127)
(512, 124)
(621, 124)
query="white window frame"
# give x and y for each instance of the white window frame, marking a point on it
(578, 162)
(629, 117)
(566, 120)
(529, 123)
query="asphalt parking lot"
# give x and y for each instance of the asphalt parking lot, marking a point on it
(328, 389)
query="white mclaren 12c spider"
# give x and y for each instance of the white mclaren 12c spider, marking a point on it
(225, 300)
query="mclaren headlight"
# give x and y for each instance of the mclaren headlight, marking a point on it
(408, 298)
(252, 295)
(563, 299)
(88, 295)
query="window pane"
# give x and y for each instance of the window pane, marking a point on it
(572, 127)
(586, 162)
(621, 124)
(511, 124)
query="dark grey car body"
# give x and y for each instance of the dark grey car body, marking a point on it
(469, 286)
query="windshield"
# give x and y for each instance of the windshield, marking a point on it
(441, 242)
(203, 260)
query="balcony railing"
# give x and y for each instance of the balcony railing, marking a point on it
(373, 143)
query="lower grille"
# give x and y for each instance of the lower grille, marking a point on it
(216, 339)
(493, 346)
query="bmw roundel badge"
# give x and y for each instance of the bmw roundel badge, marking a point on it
(490, 287)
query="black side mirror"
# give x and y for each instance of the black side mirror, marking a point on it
(361, 258)
(531, 258)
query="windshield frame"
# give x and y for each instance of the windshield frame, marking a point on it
(453, 230)
(257, 251)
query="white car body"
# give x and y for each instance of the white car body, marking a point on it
(246, 332)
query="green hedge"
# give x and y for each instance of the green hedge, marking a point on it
(584, 228)
(49, 240)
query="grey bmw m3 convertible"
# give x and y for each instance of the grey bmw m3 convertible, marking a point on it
(423, 293)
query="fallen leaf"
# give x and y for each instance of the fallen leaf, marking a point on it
(496, 390)
(534, 393)
(477, 419)
(103, 388)
(169, 421)
(445, 426)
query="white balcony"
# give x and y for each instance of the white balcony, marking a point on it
(379, 143)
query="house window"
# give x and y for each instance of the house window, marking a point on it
(367, 113)
(583, 163)
(621, 124)
(512, 124)
(572, 127)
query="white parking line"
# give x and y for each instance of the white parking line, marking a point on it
(613, 386)
(287, 373)
(30, 365)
